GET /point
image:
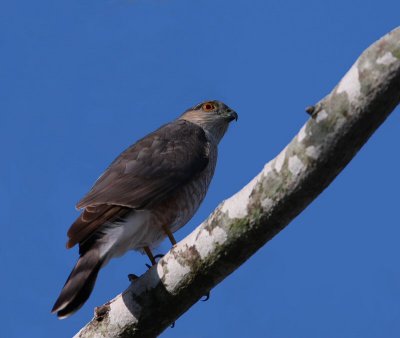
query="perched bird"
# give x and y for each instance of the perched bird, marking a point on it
(150, 190)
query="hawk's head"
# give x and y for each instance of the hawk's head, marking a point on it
(213, 116)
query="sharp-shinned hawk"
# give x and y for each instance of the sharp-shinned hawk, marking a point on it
(150, 190)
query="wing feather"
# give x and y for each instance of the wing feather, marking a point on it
(152, 168)
(143, 175)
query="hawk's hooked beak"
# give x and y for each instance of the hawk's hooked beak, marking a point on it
(231, 115)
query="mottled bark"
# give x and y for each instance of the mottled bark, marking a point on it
(339, 125)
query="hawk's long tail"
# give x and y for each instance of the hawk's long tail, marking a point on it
(79, 284)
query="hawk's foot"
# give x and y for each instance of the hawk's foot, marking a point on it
(155, 260)
(158, 256)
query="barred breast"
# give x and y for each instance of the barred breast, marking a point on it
(189, 199)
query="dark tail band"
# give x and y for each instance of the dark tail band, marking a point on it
(79, 284)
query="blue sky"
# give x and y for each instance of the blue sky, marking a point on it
(82, 80)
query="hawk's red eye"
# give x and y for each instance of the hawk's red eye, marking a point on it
(208, 106)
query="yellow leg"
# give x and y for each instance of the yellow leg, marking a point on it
(169, 234)
(150, 255)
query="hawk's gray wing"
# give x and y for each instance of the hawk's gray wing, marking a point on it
(143, 175)
(152, 168)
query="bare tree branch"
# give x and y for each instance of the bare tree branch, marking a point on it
(339, 125)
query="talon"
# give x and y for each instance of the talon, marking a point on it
(207, 297)
(154, 262)
(172, 325)
(310, 110)
(159, 256)
(132, 277)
